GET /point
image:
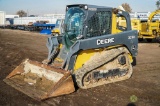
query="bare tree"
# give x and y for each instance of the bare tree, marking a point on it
(127, 7)
(158, 4)
(21, 13)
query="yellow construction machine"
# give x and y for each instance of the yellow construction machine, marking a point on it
(147, 30)
(93, 50)
(58, 30)
(136, 25)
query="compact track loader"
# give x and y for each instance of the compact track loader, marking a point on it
(93, 50)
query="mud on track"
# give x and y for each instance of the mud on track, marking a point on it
(15, 46)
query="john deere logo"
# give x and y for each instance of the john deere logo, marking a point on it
(105, 41)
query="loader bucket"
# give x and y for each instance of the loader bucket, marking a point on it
(40, 81)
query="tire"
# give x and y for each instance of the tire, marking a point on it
(154, 32)
(140, 39)
(149, 40)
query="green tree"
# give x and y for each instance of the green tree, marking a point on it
(21, 13)
(158, 4)
(127, 7)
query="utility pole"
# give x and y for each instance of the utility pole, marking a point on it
(27, 13)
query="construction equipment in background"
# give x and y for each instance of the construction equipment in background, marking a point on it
(44, 27)
(58, 29)
(147, 30)
(93, 50)
(136, 25)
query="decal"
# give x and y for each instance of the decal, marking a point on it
(131, 37)
(105, 41)
(92, 9)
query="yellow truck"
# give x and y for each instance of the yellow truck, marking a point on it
(148, 30)
(58, 27)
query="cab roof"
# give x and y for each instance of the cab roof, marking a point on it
(88, 5)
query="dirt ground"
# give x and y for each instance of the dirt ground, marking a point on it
(143, 86)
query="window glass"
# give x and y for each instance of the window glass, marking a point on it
(99, 24)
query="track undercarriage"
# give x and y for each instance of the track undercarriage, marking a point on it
(106, 67)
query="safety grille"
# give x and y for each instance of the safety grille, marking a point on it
(99, 24)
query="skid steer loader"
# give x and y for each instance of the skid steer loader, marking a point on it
(93, 50)
(58, 30)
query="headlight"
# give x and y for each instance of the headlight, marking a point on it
(85, 7)
(66, 8)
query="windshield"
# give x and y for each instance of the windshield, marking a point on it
(73, 25)
(58, 22)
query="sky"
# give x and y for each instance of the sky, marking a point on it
(40, 7)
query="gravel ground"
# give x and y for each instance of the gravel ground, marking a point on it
(143, 86)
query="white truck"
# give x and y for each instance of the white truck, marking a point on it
(2, 18)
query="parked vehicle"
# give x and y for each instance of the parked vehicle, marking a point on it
(58, 27)
(148, 30)
(90, 53)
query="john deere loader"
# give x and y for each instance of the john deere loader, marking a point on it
(93, 50)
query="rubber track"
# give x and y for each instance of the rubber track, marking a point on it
(97, 60)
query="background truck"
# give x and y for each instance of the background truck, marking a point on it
(2, 18)
(3, 22)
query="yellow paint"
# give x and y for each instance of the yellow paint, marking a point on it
(130, 58)
(110, 47)
(58, 59)
(84, 56)
(56, 30)
(60, 46)
(117, 20)
(114, 23)
(136, 24)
